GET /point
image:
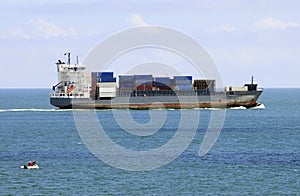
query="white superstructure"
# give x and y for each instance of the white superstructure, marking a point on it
(75, 82)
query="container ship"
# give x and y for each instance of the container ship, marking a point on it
(77, 88)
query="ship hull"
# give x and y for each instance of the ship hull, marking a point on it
(220, 100)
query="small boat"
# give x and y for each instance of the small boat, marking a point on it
(29, 167)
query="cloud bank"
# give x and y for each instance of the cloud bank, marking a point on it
(137, 20)
(271, 23)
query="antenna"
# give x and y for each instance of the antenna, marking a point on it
(77, 61)
(252, 80)
(69, 57)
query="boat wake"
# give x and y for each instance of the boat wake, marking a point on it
(259, 107)
(238, 108)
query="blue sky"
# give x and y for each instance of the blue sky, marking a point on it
(254, 37)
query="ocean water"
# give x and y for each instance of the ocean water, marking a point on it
(257, 152)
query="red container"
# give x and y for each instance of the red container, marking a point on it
(144, 87)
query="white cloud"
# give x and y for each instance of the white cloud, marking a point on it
(37, 28)
(48, 29)
(137, 20)
(271, 23)
(224, 28)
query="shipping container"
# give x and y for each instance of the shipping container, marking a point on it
(143, 77)
(144, 87)
(182, 82)
(162, 81)
(177, 78)
(126, 78)
(126, 86)
(94, 91)
(107, 79)
(183, 87)
(105, 74)
(204, 84)
(106, 84)
(107, 89)
(129, 85)
(94, 76)
(126, 83)
(159, 84)
(163, 88)
(139, 82)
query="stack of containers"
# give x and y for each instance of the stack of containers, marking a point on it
(126, 82)
(94, 91)
(182, 83)
(143, 82)
(106, 85)
(162, 83)
(208, 85)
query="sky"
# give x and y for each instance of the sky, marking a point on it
(244, 37)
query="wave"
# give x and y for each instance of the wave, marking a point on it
(238, 108)
(259, 107)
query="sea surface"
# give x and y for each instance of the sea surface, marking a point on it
(257, 152)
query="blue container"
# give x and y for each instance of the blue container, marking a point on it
(107, 79)
(164, 80)
(190, 78)
(177, 78)
(105, 74)
(160, 84)
(183, 82)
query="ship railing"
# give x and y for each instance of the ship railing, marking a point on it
(138, 93)
(64, 95)
(260, 89)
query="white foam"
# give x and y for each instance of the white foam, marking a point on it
(238, 108)
(259, 107)
(213, 109)
(158, 109)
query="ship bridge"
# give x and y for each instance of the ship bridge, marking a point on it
(74, 82)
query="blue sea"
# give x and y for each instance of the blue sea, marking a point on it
(257, 152)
